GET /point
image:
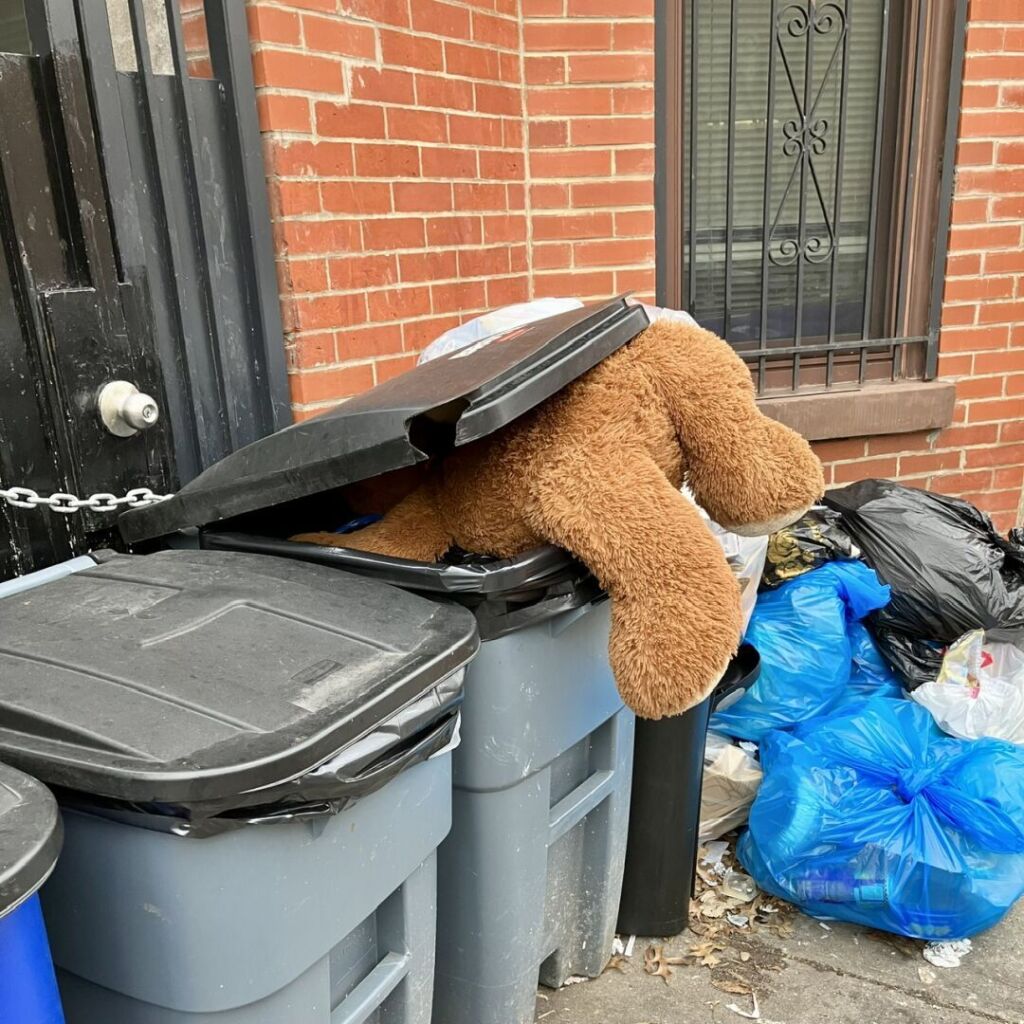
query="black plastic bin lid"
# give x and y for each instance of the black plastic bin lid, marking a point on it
(523, 575)
(30, 837)
(449, 401)
(195, 676)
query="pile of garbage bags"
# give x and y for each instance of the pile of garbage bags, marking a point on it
(864, 805)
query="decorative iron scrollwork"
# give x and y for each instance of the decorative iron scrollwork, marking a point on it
(805, 136)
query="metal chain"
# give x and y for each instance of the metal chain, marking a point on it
(66, 504)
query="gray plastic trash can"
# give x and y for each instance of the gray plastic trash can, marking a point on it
(254, 769)
(529, 878)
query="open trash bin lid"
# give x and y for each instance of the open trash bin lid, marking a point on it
(447, 402)
(206, 679)
(30, 837)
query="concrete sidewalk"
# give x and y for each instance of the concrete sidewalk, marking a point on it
(845, 975)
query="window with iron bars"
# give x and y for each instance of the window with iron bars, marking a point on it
(805, 173)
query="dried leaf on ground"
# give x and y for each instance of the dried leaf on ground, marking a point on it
(655, 963)
(734, 986)
(617, 963)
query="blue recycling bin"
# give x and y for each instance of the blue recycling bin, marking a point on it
(30, 839)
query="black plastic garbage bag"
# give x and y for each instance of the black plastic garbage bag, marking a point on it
(950, 571)
(814, 539)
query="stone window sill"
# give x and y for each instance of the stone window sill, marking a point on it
(899, 408)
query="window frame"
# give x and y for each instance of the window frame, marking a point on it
(918, 134)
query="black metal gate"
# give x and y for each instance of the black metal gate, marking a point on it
(134, 246)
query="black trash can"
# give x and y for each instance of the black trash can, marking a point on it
(664, 817)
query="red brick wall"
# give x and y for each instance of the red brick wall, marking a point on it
(589, 70)
(429, 161)
(981, 346)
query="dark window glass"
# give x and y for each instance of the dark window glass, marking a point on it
(781, 151)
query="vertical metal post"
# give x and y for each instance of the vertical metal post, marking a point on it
(908, 207)
(946, 187)
(805, 156)
(187, 127)
(869, 255)
(228, 36)
(691, 233)
(669, 145)
(769, 125)
(730, 164)
(837, 212)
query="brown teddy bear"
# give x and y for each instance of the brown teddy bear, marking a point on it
(597, 470)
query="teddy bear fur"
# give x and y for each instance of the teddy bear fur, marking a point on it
(597, 470)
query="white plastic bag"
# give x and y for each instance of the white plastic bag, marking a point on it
(662, 313)
(507, 318)
(979, 690)
(745, 556)
(494, 323)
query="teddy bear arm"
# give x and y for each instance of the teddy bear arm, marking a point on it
(752, 474)
(413, 529)
(675, 604)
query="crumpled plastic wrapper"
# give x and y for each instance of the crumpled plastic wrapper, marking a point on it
(732, 778)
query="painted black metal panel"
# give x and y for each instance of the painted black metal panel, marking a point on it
(70, 326)
(199, 208)
(135, 244)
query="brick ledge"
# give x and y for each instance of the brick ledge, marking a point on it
(898, 408)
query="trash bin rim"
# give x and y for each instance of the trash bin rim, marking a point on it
(536, 568)
(31, 835)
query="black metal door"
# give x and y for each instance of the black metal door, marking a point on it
(69, 322)
(127, 253)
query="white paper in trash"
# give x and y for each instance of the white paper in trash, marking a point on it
(731, 781)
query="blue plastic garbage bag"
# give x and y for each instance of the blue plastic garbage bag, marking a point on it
(873, 815)
(870, 673)
(815, 654)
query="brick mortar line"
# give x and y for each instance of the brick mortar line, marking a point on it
(294, 137)
(263, 45)
(359, 62)
(329, 216)
(404, 285)
(284, 5)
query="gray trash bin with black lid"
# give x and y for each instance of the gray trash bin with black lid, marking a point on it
(529, 879)
(252, 758)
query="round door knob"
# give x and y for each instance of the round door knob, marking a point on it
(125, 410)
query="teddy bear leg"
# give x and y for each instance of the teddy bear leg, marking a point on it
(413, 529)
(675, 604)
